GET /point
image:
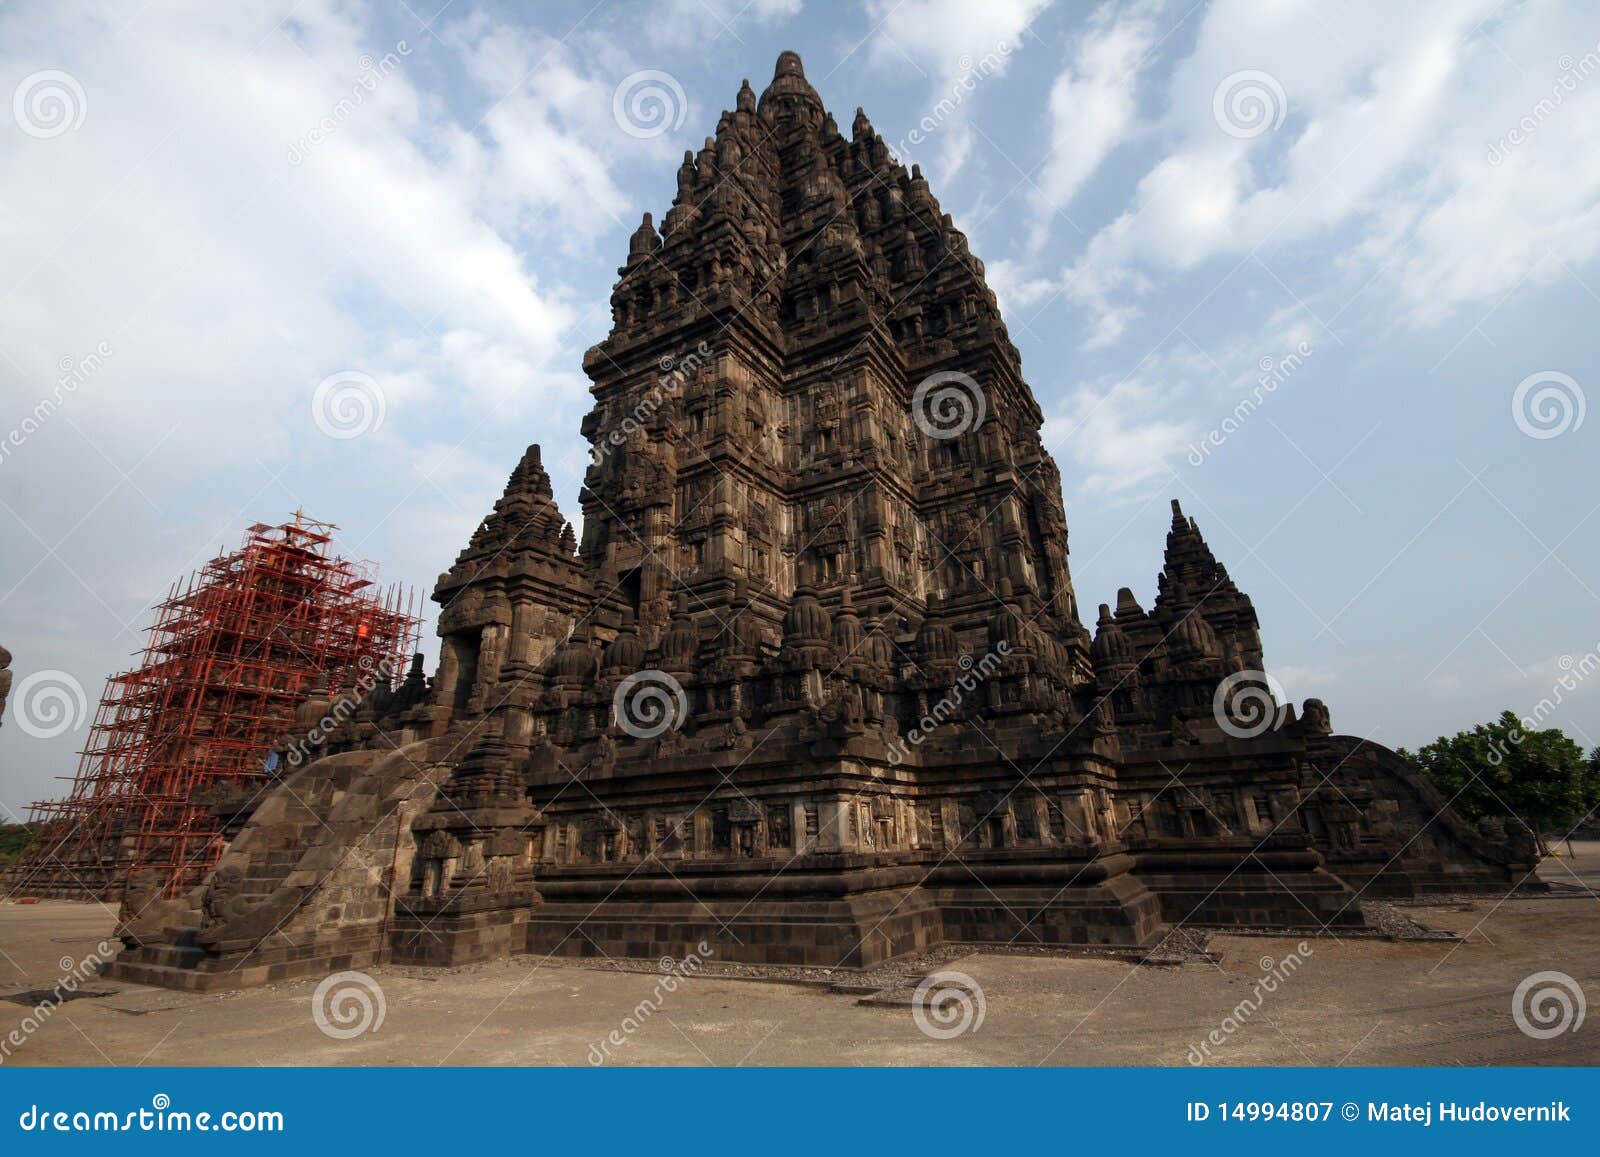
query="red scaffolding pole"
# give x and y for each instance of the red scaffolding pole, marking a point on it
(234, 648)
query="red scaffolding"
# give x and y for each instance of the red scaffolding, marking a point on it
(234, 649)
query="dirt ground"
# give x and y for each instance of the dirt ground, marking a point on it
(1346, 1001)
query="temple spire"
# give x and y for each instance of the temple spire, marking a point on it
(789, 90)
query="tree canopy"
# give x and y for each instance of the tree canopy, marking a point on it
(1502, 769)
(14, 840)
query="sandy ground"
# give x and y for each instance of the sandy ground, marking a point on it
(1349, 1001)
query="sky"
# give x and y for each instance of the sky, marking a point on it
(1324, 273)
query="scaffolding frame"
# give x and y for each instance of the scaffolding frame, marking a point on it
(235, 647)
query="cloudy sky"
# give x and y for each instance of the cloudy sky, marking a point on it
(1375, 225)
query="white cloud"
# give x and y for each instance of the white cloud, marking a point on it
(1381, 155)
(944, 37)
(1100, 289)
(172, 225)
(699, 22)
(1018, 286)
(958, 47)
(1093, 105)
(409, 243)
(1126, 435)
(1106, 430)
(545, 154)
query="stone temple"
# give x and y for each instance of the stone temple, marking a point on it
(815, 687)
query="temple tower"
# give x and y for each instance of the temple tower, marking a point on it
(757, 413)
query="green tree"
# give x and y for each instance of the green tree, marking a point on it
(1501, 767)
(14, 840)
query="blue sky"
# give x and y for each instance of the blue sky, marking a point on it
(1389, 212)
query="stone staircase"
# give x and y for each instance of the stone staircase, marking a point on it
(306, 887)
